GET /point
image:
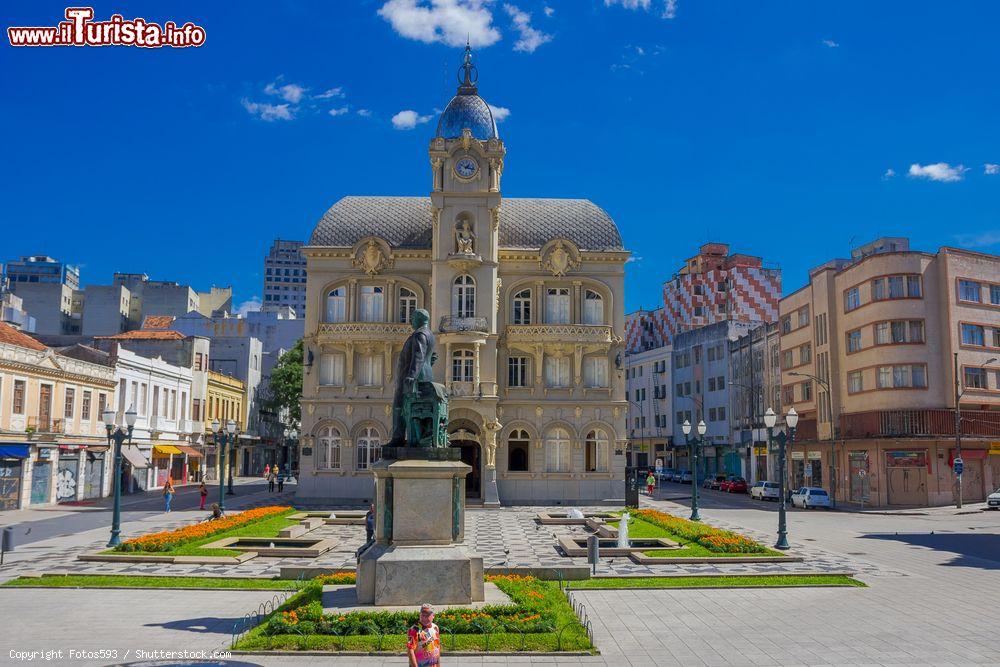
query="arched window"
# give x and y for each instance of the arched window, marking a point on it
(522, 307)
(463, 297)
(328, 449)
(336, 305)
(518, 451)
(597, 451)
(557, 309)
(593, 308)
(407, 304)
(557, 450)
(462, 365)
(371, 304)
(369, 445)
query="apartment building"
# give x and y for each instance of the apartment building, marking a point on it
(754, 386)
(650, 407)
(874, 351)
(285, 277)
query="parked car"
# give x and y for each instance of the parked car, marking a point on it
(715, 481)
(734, 485)
(685, 477)
(707, 482)
(665, 474)
(724, 484)
(676, 475)
(765, 491)
(993, 500)
(809, 497)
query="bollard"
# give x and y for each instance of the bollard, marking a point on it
(6, 542)
(593, 552)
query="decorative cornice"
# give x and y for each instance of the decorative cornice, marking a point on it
(360, 332)
(561, 333)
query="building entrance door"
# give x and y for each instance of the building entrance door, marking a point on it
(41, 482)
(470, 456)
(10, 483)
(972, 481)
(93, 475)
(45, 408)
(907, 486)
(66, 479)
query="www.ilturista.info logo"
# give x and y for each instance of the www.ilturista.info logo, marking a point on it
(79, 29)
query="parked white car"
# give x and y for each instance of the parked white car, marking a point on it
(809, 497)
(993, 500)
(765, 491)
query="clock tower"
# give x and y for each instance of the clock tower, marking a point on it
(466, 157)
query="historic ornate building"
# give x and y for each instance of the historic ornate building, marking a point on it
(525, 297)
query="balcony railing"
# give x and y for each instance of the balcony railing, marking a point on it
(461, 389)
(560, 333)
(46, 425)
(363, 331)
(458, 324)
(931, 422)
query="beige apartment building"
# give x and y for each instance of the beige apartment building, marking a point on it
(869, 351)
(525, 299)
(53, 443)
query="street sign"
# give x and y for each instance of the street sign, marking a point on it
(659, 465)
(862, 473)
(959, 466)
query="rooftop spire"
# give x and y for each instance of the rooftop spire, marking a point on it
(469, 75)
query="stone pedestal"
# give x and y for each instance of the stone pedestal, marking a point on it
(491, 497)
(419, 555)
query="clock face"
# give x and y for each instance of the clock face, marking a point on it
(466, 167)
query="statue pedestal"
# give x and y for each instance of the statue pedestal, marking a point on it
(419, 555)
(491, 497)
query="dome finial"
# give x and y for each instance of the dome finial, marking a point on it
(469, 75)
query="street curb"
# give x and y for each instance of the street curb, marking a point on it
(400, 653)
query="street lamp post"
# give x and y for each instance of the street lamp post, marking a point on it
(118, 436)
(693, 446)
(222, 438)
(833, 440)
(792, 420)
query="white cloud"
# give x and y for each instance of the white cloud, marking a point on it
(991, 169)
(251, 305)
(549, 11)
(408, 119)
(332, 92)
(669, 9)
(450, 22)
(889, 173)
(633, 258)
(669, 6)
(268, 112)
(364, 113)
(830, 43)
(290, 92)
(499, 113)
(337, 112)
(981, 240)
(939, 171)
(529, 38)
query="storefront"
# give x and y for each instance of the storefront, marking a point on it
(135, 468)
(860, 477)
(68, 474)
(760, 471)
(94, 471)
(12, 459)
(162, 465)
(192, 468)
(973, 469)
(906, 472)
(807, 469)
(42, 472)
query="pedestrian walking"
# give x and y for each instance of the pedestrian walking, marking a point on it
(281, 481)
(267, 470)
(168, 493)
(203, 492)
(271, 478)
(423, 644)
(650, 483)
(370, 523)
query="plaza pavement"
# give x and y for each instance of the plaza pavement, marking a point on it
(933, 593)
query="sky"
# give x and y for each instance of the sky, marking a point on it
(790, 130)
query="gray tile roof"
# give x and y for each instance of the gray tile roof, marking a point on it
(405, 222)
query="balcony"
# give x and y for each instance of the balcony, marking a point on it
(460, 324)
(341, 332)
(560, 333)
(461, 389)
(908, 423)
(46, 425)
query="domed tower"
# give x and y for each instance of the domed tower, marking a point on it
(467, 160)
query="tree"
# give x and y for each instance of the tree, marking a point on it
(286, 386)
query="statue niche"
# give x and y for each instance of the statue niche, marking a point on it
(464, 256)
(465, 239)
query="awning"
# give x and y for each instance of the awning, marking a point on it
(135, 457)
(165, 449)
(97, 448)
(15, 451)
(190, 451)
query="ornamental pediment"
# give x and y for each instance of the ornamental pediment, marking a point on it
(559, 256)
(373, 255)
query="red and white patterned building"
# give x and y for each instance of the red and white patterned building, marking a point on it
(713, 286)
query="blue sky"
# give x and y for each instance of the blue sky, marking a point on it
(772, 126)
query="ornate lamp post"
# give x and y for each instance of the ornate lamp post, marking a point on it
(792, 420)
(222, 438)
(693, 446)
(118, 436)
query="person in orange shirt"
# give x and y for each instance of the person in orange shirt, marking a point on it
(424, 640)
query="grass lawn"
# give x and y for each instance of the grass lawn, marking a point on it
(761, 581)
(530, 595)
(266, 528)
(639, 528)
(124, 581)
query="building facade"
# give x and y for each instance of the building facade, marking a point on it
(226, 400)
(285, 277)
(53, 445)
(874, 351)
(524, 297)
(755, 387)
(650, 406)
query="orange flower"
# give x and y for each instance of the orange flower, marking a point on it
(166, 540)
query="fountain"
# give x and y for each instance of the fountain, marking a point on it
(623, 542)
(574, 513)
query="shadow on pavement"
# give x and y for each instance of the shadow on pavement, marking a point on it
(203, 625)
(981, 550)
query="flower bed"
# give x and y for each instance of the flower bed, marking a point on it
(713, 539)
(171, 539)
